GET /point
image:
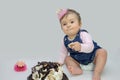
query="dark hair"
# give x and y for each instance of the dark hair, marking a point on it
(72, 11)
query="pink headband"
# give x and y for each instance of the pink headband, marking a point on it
(61, 13)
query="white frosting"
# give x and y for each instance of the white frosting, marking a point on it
(53, 74)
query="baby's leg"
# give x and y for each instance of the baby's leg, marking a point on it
(100, 60)
(73, 66)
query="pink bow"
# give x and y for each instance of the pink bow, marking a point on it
(61, 13)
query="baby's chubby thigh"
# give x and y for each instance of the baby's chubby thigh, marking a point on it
(69, 61)
(73, 66)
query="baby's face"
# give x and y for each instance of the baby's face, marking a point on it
(70, 24)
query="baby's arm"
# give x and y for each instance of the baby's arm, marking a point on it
(87, 45)
(63, 54)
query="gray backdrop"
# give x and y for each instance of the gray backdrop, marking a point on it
(30, 30)
(31, 27)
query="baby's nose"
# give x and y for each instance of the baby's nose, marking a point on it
(68, 25)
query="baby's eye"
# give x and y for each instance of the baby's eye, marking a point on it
(64, 24)
(72, 21)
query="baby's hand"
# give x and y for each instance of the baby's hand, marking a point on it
(75, 46)
(60, 64)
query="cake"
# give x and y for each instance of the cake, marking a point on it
(20, 66)
(47, 71)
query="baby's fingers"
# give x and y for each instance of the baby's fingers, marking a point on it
(70, 45)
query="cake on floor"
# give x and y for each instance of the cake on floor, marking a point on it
(47, 71)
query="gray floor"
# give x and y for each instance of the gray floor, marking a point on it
(111, 71)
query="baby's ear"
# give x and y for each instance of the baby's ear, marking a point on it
(80, 23)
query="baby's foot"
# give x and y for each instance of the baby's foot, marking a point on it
(96, 77)
(75, 70)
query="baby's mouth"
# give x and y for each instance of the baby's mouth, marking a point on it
(69, 29)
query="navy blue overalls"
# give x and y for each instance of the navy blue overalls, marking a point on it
(81, 57)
